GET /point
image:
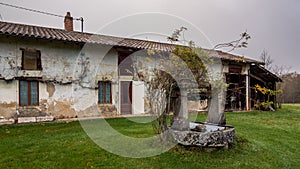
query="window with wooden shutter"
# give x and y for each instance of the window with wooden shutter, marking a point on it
(31, 59)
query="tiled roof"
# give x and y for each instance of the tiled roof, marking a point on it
(22, 30)
(39, 32)
(230, 57)
(263, 73)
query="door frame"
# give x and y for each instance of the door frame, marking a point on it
(130, 96)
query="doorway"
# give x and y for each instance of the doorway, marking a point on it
(126, 97)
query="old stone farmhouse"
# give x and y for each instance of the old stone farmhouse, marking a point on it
(46, 71)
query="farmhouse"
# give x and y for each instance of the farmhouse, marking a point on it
(53, 72)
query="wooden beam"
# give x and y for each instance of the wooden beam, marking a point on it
(257, 78)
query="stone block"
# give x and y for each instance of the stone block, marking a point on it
(4, 121)
(26, 119)
(44, 118)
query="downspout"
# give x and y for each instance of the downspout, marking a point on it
(17, 70)
(248, 90)
(118, 85)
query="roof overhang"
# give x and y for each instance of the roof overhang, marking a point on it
(264, 74)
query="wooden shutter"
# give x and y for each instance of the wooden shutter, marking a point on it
(31, 59)
(24, 93)
(39, 61)
(107, 93)
(101, 92)
(34, 94)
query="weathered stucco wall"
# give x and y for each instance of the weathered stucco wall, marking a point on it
(8, 99)
(138, 94)
(68, 80)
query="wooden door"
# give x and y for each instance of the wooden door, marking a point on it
(126, 97)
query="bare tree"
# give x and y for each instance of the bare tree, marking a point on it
(161, 85)
(281, 70)
(165, 75)
(266, 58)
(242, 42)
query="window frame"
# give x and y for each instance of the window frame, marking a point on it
(105, 83)
(38, 59)
(29, 92)
(235, 69)
(125, 62)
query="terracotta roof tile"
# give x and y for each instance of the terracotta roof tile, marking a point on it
(23, 30)
(230, 57)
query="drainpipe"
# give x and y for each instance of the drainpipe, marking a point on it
(17, 70)
(248, 91)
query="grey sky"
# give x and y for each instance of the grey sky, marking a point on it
(273, 24)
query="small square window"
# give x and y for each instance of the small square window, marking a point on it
(31, 59)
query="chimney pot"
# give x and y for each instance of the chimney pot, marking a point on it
(68, 22)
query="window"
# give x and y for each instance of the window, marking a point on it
(29, 93)
(104, 92)
(235, 68)
(125, 63)
(31, 59)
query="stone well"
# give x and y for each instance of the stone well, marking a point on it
(209, 136)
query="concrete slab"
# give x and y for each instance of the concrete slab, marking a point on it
(44, 119)
(4, 121)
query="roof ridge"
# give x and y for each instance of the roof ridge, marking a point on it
(86, 33)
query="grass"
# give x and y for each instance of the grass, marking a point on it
(263, 140)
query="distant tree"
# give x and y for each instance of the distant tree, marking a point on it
(290, 87)
(281, 70)
(266, 58)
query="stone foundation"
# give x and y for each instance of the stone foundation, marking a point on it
(6, 121)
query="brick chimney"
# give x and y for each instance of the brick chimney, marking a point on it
(68, 22)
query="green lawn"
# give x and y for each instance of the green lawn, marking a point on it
(263, 140)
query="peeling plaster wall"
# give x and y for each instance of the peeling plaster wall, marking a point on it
(57, 58)
(8, 98)
(8, 91)
(68, 80)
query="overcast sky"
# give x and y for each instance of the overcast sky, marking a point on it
(274, 25)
